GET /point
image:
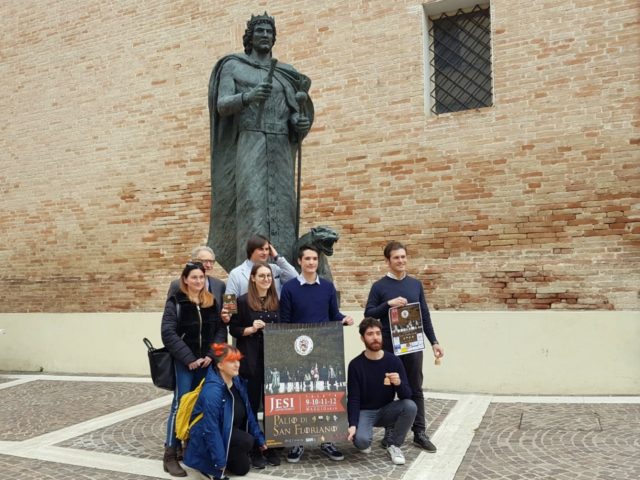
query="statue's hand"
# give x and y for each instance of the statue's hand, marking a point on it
(301, 124)
(258, 94)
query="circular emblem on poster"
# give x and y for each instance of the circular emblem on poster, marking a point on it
(405, 314)
(303, 345)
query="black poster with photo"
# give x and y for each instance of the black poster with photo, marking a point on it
(305, 384)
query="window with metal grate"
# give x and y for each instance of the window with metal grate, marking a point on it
(460, 60)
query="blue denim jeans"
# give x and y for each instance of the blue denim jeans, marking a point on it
(398, 415)
(186, 380)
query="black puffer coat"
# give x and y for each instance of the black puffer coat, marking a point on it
(190, 336)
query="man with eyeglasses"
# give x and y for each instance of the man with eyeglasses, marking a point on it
(207, 258)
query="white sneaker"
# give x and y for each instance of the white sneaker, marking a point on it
(365, 450)
(396, 455)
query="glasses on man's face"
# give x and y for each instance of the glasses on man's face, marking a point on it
(206, 261)
(264, 276)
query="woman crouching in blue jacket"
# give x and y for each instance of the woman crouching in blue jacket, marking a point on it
(228, 431)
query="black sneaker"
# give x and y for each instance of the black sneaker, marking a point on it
(258, 461)
(422, 440)
(384, 443)
(330, 450)
(295, 454)
(272, 457)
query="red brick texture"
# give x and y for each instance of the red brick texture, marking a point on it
(532, 203)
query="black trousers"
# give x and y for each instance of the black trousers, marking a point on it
(240, 445)
(255, 392)
(412, 363)
(413, 366)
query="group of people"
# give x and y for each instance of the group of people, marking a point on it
(384, 390)
(305, 378)
(260, 112)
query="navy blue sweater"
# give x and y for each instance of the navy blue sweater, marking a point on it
(309, 303)
(388, 288)
(366, 389)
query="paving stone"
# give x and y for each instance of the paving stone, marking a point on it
(43, 406)
(579, 420)
(556, 443)
(13, 468)
(143, 437)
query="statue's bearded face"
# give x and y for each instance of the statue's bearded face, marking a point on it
(262, 38)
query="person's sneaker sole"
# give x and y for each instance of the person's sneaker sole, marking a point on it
(365, 450)
(335, 459)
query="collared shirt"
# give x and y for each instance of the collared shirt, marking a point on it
(238, 281)
(303, 280)
(391, 275)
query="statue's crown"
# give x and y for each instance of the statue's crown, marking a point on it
(261, 18)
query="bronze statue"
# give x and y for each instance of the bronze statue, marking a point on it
(260, 111)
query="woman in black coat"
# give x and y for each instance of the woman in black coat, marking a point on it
(190, 325)
(256, 308)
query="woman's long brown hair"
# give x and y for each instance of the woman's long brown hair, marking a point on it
(271, 303)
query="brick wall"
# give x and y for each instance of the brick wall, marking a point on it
(531, 203)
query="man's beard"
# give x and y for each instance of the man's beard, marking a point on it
(374, 346)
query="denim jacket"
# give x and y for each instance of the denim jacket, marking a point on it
(209, 439)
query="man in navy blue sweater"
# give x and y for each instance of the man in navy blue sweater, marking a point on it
(397, 289)
(309, 299)
(375, 378)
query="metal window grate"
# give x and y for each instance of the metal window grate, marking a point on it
(461, 60)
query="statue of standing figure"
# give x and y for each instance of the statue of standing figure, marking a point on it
(260, 111)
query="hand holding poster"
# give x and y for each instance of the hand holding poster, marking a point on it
(305, 384)
(406, 329)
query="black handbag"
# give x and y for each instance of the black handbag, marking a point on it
(161, 365)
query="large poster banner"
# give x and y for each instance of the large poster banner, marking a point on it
(305, 384)
(406, 329)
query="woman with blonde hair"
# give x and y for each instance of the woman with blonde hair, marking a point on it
(190, 324)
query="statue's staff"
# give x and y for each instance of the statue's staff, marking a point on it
(269, 80)
(301, 98)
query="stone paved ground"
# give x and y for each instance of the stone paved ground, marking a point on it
(113, 428)
(143, 436)
(56, 404)
(555, 441)
(15, 468)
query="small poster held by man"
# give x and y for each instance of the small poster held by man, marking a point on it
(305, 384)
(406, 329)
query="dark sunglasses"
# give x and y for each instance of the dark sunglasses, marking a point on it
(195, 265)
